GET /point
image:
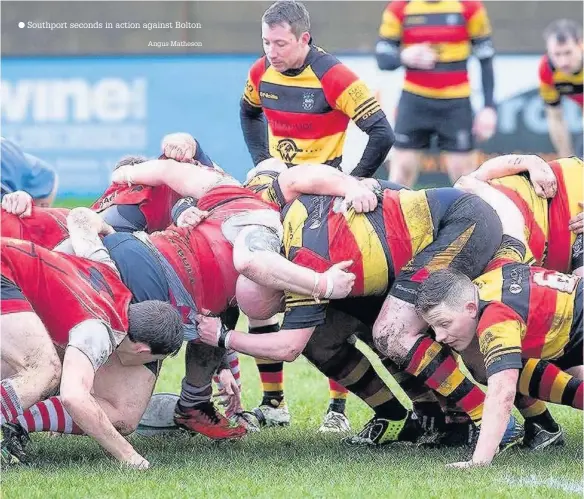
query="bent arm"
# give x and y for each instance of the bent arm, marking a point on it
(509, 164)
(285, 345)
(84, 227)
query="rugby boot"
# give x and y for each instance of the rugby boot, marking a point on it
(6, 458)
(206, 420)
(274, 413)
(513, 435)
(335, 422)
(15, 439)
(451, 435)
(381, 431)
(247, 419)
(538, 438)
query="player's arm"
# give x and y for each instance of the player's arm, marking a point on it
(184, 147)
(387, 49)
(253, 122)
(352, 97)
(185, 179)
(76, 385)
(18, 203)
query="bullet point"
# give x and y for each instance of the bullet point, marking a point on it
(21, 24)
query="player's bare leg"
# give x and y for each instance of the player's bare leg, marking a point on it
(404, 166)
(459, 164)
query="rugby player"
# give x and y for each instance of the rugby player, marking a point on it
(95, 319)
(561, 74)
(296, 106)
(433, 41)
(516, 315)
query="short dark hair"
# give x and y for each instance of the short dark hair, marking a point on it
(158, 325)
(130, 160)
(288, 11)
(447, 286)
(563, 30)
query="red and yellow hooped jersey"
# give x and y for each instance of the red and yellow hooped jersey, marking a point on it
(554, 84)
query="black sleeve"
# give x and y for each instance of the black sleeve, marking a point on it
(255, 131)
(488, 79)
(201, 156)
(381, 139)
(180, 206)
(387, 55)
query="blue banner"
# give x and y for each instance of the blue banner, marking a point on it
(82, 114)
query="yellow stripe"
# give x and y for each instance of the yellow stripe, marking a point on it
(538, 407)
(478, 25)
(390, 26)
(451, 383)
(357, 373)
(265, 361)
(476, 414)
(559, 334)
(526, 375)
(558, 388)
(272, 387)
(576, 79)
(309, 150)
(379, 398)
(450, 52)
(375, 270)
(448, 7)
(443, 259)
(428, 357)
(338, 395)
(548, 93)
(573, 171)
(491, 285)
(306, 79)
(416, 212)
(452, 92)
(293, 225)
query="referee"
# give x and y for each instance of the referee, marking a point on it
(298, 99)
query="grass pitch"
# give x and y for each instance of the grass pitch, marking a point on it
(290, 462)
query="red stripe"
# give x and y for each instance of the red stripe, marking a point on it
(398, 236)
(435, 34)
(304, 125)
(272, 377)
(234, 363)
(60, 413)
(15, 306)
(471, 400)
(10, 411)
(30, 422)
(537, 238)
(418, 355)
(559, 240)
(46, 419)
(442, 372)
(495, 313)
(541, 313)
(546, 74)
(257, 70)
(547, 380)
(579, 397)
(335, 81)
(335, 387)
(437, 79)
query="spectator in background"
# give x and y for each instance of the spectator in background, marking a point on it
(560, 73)
(433, 41)
(25, 172)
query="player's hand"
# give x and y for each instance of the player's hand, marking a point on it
(419, 56)
(341, 280)
(179, 146)
(361, 198)
(191, 217)
(577, 223)
(136, 462)
(485, 124)
(230, 393)
(18, 203)
(469, 183)
(542, 177)
(209, 329)
(370, 183)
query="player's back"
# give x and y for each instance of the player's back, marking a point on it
(46, 227)
(65, 290)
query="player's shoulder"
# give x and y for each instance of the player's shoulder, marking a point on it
(259, 67)
(332, 73)
(545, 69)
(321, 61)
(397, 8)
(471, 7)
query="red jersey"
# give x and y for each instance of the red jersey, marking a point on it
(203, 256)
(65, 290)
(46, 227)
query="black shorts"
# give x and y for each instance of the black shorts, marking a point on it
(573, 352)
(466, 238)
(421, 118)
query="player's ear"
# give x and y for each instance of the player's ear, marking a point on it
(472, 309)
(305, 38)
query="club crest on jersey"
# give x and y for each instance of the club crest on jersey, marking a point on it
(287, 149)
(308, 100)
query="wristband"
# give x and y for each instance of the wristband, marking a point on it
(315, 293)
(329, 286)
(223, 336)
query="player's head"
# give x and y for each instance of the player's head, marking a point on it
(285, 34)
(130, 160)
(155, 331)
(563, 40)
(447, 300)
(258, 302)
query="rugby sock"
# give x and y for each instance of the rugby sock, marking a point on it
(9, 401)
(48, 415)
(339, 396)
(545, 381)
(535, 411)
(191, 396)
(271, 373)
(437, 368)
(351, 369)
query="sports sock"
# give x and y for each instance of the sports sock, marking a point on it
(535, 411)
(191, 396)
(11, 407)
(437, 368)
(271, 373)
(338, 394)
(48, 415)
(545, 381)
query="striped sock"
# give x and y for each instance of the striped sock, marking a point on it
(535, 411)
(338, 394)
(192, 396)
(48, 415)
(545, 381)
(271, 373)
(11, 406)
(437, 368)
